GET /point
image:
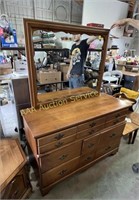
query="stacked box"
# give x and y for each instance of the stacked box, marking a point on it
(48, 76)
(64, 69)
(5, 69)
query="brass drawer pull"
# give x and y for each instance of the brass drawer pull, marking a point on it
(88, 158)
(112, 135)
(59, 144)
(108, 148)
(117, 115)
(90, 145)
(91, 132)
(59, 136)
(63, 172)
(92, 124)
(63, 157)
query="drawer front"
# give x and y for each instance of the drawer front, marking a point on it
(56, 144)
(90, 144)
(57, 157)
(115, 121)
(56, 136)
(110, 140)
(112, 134)
(87, 158)
(59, 172)
(116, 115)
(91, 124)
(89, 131)
(102, 150)
(15, 189)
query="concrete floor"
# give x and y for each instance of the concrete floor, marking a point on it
(111, 178)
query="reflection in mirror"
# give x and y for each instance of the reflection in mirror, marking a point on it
(52, 59)
(48, 49)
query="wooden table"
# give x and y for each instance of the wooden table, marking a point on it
(14, 181)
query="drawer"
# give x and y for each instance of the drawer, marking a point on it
(114, 121)
(59, 172)
(90, 144)
(89, 131)
(58, 157)
(91, 124)
(87, 158)
(116, 115)
(112, 134)
(110, 140)
(56, 136)
(103, 149)
(15, 189)
(56, 144)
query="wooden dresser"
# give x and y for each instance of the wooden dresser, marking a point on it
(14, 181)
(71, 138)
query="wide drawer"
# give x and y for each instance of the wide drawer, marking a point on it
(56, 144)
(56, 136)
(91, 124)
(90, 144)
(59, 172)
(57, 157)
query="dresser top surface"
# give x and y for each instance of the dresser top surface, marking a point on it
(47, 121)
(11, 160)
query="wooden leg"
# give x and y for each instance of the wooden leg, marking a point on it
(130, 137)
(134, 136)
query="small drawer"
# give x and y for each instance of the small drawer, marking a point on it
(56, 145)
(115, 121)
(90, 144)
(59, 172)
(57, 157)
(91, 124)
(90, 131)
(56, 136)
(87, 158)
(117, 115)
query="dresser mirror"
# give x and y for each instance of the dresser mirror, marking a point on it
(48, 47)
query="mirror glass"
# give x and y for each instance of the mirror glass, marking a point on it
(48, 48)
(52, 52)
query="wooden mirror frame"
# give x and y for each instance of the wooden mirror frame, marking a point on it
(31, 25)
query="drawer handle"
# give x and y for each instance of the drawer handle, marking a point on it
(117, 115)
(116, 121)
(63, 172)
(112, 135)
(90, 145)
(63, 157)
(91, 132)
(59, 144)
(92, 124)
(59, 136)
(88, 158)
(108, 148)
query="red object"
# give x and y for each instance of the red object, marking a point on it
(95, 25)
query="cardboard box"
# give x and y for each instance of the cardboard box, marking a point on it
(5, 69)
(64, 68)
(48, 76)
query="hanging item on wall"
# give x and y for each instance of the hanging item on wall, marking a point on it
(7, 33)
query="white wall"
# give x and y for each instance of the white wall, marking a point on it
(104, 12)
